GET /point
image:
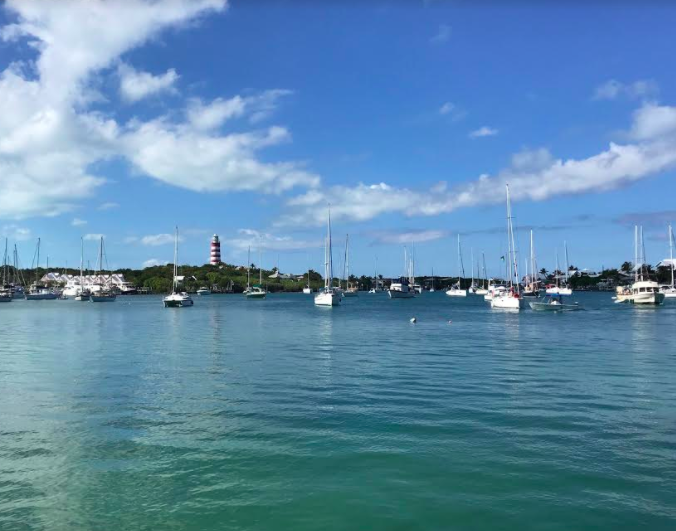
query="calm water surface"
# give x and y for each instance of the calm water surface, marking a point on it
(277, 415)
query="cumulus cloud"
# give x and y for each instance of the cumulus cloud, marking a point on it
(158, 239)
(613, 89)
(250, 238)
(108, 206)
(51, 138)
(136, 85)
(206, 116)
(408, 236)
(152, 262)
(652, 121)
(483, 131)
(442, 35)
(77, 222)
(14, 232)
(533, 175)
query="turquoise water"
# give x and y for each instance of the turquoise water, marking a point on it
(277, 415)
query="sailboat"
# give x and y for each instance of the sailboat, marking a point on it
(670, 291)
(482, 290)
(510, 298)
(557, 289)
(432, 290)
(643, 290)
(105, 292)
(350, 291)
(307, 290)
(38, 291)
(456, 290)
(401, 289)
(532, 288)
(5, 289)
(472, 286)
(374, 288)
(256, 291)
(83, 293)
(328, 296)
(177, 299)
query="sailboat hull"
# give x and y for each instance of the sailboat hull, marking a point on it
(350, 294)
(41, 296)
(327, 298)
(307, 291)
(507, 302)
(456, 293)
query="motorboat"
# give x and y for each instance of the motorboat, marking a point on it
(554, 303)
(203, 291)
(401, 289)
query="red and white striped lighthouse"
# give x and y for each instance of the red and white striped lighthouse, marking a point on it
(215, 258)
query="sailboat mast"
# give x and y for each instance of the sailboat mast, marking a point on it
(248, 268)
(471, 255)
(671, 253)
(260, 266)
(642, 253)
(483, 259)
(175, 258)
(4, 265)
(635, 253)
(565, 250)
(510, 250)
(81, 262)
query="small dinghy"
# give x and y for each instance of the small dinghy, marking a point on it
(554, 304)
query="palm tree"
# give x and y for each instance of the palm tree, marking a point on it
(627, 267)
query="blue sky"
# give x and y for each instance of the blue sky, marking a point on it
(128, 118)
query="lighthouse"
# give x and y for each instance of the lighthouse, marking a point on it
(215, 257)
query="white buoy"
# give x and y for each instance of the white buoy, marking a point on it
(413, 319)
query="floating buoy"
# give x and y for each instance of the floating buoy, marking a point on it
(413, 319)
(450, 322)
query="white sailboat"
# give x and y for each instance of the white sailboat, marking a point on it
(670, 291)
(350, 291)
(401, 288)
(328, 296)
(257, 291)
(432, 290)
(456, 290)
(307, 290)
(472, 286)
(82, 293)
(104, 291)
(483, 289)
(558, 289)
(38, 291)
(532, 288)
(510, 298)
(643, 290)
(374, 288)
(177, 299)
(5, 289)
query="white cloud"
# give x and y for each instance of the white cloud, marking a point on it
(136, 85)
(534, 175)
(416, 236)
(152, 262)
(158, 239)
(483, 131)
(94, 237)
(446, 108)
(442, 35)
(14, 232)
(250, 238)
(613, 89)
(77, 222)
(212, 115)
(182, 156)
(50, 137)
(108, 206)
(652, 120)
